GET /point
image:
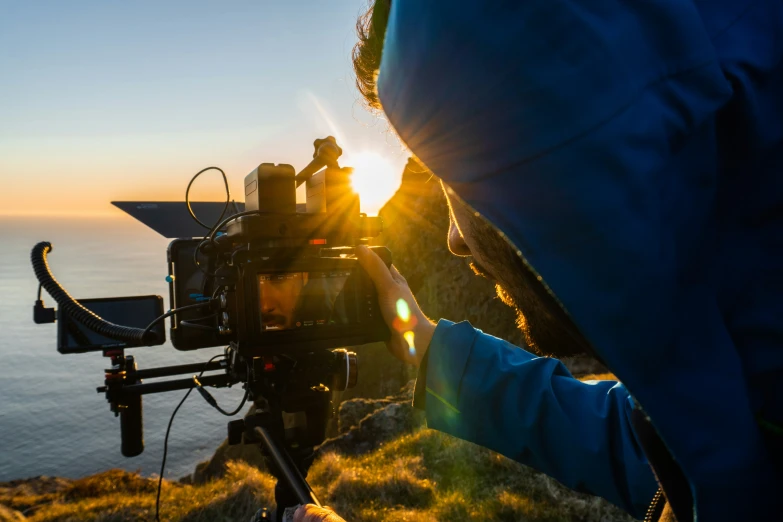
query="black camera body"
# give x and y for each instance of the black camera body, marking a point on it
(283, 278)
(337, 303)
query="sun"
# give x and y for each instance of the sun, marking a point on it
(374, 179)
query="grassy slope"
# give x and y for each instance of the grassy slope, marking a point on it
(422, 476)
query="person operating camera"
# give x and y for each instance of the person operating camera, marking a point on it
(628, 158)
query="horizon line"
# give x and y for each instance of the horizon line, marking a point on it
(62, 214)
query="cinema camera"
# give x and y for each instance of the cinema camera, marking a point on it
(277, 283)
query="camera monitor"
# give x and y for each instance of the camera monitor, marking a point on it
(294, 300)
(277, 306)
(134, 311)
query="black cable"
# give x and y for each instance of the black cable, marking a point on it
(232, 217)
(191, 324)
(165, 451)
(213, 402)
(166, 439)
(204, 318)
(239, 408)
(193, 215)
(40, 286)
(187, 195)
(210, 238)
(73, 308)
(198, 265)
(173, 312)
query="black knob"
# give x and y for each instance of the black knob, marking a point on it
(346, 370)
(328, 150)
(261, 514)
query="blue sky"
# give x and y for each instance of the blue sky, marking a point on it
(103, 100)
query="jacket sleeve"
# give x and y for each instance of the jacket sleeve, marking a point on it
(486, 391)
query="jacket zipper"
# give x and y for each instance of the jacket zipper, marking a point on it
(653, 512)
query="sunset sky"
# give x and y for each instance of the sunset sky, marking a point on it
(104, 101)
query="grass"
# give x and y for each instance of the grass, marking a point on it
(431, 476)
(424, 476)
(117, 495)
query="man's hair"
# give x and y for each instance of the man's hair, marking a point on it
(371, 29)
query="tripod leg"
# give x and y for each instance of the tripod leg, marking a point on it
(289, 465)
(290, 470)
(284, 495)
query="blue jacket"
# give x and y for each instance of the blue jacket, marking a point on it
(485, 390)
(633, 154)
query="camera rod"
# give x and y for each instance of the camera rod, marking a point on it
(217, 381)
(166, 371)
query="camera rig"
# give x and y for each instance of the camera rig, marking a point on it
(278, 285)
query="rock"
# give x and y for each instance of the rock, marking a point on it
(107, 482)
(10, 515)
(366, 424)
(25, 495)
(215, 467)
(41, 485)
(353, 411)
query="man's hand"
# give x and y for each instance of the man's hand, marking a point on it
(411, 331)
(311, 513)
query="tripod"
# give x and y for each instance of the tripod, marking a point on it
(287, 429)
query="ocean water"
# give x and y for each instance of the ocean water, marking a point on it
(52, 421)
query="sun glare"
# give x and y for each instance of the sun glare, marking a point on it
(374, 179)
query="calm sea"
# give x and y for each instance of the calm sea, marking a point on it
(52, 422)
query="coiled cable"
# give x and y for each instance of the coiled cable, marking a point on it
(74, 309)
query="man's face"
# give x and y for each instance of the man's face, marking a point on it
(279, 297)
(547, 329)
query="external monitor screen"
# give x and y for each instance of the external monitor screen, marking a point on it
(136, 311)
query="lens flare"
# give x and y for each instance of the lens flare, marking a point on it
(403, 310)
(409, 339)
(374, 179)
